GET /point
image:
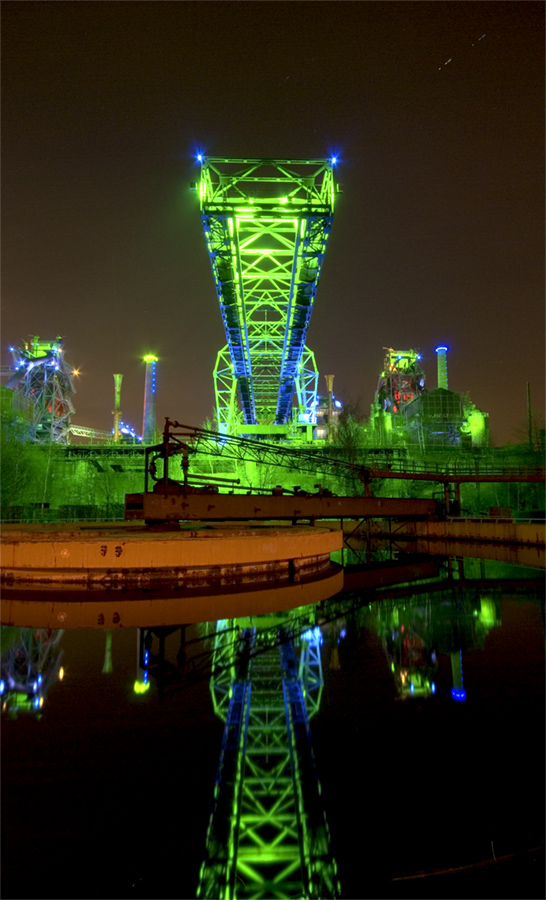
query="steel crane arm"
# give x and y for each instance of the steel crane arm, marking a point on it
(214, 444)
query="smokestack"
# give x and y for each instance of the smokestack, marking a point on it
(117, 407)
(148, 420)
(442, 366)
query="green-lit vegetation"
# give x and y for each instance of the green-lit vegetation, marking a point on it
(56, 482)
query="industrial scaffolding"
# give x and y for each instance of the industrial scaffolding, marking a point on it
(43, 377)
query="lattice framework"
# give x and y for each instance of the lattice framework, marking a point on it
(268, 835)
(266, 224)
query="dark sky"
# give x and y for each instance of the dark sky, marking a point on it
(435, 109)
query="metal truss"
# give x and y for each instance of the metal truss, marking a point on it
(42, 375)
(266, 224)
(306, 387)
(178, 438)
(225, 390)
(310, 669)
(93, 433)
(268, 835)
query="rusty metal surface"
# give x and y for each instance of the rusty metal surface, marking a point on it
(200, 507)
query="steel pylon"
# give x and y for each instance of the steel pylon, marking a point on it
(266, 224)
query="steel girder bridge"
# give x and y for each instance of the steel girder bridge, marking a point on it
(268, 835)
(266, 224)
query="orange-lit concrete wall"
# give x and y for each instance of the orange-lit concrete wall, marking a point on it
(41, 550)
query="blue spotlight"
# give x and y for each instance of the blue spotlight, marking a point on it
(459, 695)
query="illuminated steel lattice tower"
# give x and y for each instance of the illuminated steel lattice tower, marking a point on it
(42, 375)
(268, 835)
(266, 224)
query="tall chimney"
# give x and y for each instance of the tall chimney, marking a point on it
(148, 420)
(442, 366)
(117, 407)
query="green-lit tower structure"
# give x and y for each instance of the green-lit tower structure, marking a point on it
(268, 835)
(266, 224)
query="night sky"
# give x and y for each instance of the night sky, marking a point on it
(435, 110)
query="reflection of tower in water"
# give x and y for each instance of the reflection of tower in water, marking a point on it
(268, 834)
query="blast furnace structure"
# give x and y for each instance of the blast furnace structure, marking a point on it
(45, 379)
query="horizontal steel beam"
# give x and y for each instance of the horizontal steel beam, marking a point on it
(200, 507)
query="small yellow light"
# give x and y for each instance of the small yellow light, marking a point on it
(61, 673)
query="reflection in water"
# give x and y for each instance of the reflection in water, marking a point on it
(414, 630)
(30, 664)
(268, 834)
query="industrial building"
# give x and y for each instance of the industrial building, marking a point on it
(41, 375)
(405, 414)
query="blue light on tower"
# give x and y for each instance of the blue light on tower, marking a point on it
(313, 635)
(458, 694)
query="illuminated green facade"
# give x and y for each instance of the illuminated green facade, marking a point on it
(266, 224)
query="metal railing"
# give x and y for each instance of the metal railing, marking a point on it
(27, 515)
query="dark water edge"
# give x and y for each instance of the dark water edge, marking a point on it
(107, 797)
(520, 877)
